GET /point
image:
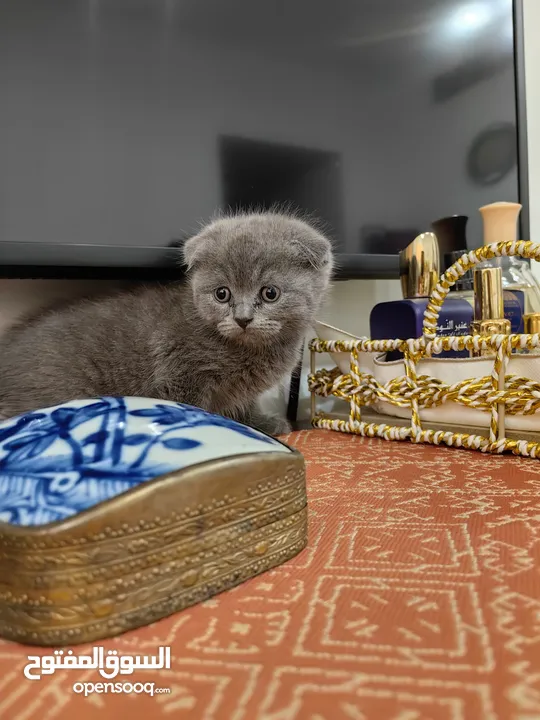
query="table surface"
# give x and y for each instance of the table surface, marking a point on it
(417, 597)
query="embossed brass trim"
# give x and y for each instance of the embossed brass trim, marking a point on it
(153, 551)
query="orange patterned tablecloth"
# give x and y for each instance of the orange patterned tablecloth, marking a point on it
(418, 598)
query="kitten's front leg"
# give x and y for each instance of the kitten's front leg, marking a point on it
(270, 424)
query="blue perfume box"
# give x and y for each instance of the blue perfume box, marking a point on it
(514, 308)
(403, 319)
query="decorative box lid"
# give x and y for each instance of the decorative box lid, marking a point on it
(60, 461)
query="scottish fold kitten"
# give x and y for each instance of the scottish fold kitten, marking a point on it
(218, 340)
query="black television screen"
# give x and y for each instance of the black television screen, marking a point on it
(126, 123)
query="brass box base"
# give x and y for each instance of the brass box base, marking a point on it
(153, 551)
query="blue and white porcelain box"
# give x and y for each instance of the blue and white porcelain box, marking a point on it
(115, 512)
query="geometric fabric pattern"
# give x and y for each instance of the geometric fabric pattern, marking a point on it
(417, 598)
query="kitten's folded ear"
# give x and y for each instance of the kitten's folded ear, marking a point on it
(193, 250)
(313, 248)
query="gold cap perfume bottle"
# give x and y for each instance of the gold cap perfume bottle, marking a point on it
(531, 323)
(419, 266)
(489, 303)
(531, 326)
(419, 274)
(488, 306)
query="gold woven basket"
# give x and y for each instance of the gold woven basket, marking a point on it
(499, 393)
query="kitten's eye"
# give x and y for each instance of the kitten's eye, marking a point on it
(222, 294)
(270, 293)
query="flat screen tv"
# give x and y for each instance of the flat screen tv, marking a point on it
(124, 124)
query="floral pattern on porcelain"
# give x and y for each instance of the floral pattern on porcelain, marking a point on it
(59, 461)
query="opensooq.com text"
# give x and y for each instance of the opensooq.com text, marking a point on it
(149, 688)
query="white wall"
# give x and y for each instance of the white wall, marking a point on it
(532, 79)
(349, 302)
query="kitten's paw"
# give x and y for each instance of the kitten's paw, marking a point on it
(273, 425)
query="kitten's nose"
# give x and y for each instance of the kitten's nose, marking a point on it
(243, 321)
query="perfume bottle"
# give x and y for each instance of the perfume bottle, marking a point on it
(488, 306)
(451, 233)
(419, 274)
(513, 300)
(531, 324)
(464, 286)
(500, 225)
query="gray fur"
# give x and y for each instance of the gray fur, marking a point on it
(178, 342)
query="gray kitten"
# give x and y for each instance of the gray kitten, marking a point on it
(219, 340)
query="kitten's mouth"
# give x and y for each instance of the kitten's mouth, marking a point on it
(251, 334)
(244, 336)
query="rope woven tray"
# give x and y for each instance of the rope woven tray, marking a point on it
(499, 393)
